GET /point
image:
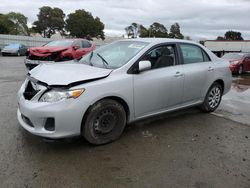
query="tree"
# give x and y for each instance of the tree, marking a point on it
(6, 25)
(220, 38)
(82, 24)
(202, 42)
(50, 20)
(158, 30)
(134, 30)
(187, 38)
(233, 35)
(19, 23)
(143, 32)
(175, 32)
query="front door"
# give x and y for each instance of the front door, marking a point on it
(160, 87)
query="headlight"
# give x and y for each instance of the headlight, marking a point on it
(58, 95)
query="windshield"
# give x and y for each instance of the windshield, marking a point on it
(14, 46)
(114, 55)
(65, 43)
(233, 56)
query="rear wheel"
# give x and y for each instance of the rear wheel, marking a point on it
(213, 98)
(104, 123)
(18, 53)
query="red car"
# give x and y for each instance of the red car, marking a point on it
(239, 62)
(56, 51)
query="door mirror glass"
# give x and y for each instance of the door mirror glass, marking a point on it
(144, 65)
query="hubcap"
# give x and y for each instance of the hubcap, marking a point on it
(105, 122)
(241, 70)
(214, 97)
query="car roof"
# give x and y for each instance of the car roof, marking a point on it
(159, 40)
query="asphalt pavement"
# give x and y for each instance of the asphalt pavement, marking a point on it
(184, 149)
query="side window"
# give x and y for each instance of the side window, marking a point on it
(163, 56)
(193, 54)
(206, 57)
(86, 44)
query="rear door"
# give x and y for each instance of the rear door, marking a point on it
(198, 70)
(160, 87)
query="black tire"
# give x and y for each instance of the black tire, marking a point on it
(213, 98)
(104, 122)
(240, 71)
(18, 53)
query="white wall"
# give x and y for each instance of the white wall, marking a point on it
(231, 46)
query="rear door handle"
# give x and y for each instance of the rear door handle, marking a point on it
(210, 69)
(178, 74)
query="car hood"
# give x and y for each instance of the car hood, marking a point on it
(64, 74)
(46, 50)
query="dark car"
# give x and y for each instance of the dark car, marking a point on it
(57, 51)
(239, 62)
(14, 49)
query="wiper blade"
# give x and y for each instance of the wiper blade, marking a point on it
(105, 63)
(90, 57)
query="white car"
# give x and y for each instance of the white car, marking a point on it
(120, 83)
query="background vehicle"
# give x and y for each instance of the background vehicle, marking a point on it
(56, 51)
(14, 49)
(239, 62)
(120, 83)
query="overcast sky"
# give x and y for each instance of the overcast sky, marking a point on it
(198, 18)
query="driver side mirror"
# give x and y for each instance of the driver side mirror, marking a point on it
(76, 47)
(144, 65)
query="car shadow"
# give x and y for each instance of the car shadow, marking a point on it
(75, 143)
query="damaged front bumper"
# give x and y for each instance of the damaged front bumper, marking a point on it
(49, 120)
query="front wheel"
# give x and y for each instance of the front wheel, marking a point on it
(213, 98)
(240, 71)
(104, 123)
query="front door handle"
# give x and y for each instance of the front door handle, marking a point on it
(210, 69)
(178, 74)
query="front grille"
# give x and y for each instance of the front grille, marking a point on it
(30, 92)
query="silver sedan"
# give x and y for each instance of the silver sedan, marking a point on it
(117, 84)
